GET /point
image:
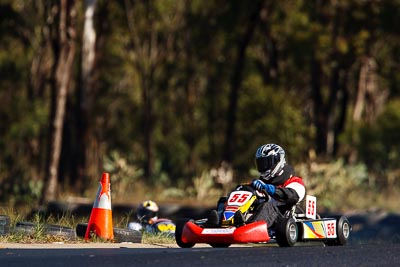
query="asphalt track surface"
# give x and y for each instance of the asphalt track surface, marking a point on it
(201, 255)
(374, 241)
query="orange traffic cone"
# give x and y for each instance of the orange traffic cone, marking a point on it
(100, 221)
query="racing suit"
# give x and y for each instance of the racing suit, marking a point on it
(286, 195)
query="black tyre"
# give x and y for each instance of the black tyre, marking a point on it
(180, 224)
(220, 245)
(49, 229)
(58, 230)
(4, 224)
(127, 235)
(28, 228)
(286, 232)
(343, 229)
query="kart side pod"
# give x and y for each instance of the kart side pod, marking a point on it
(250, 233)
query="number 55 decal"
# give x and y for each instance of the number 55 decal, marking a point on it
(311, 207)
(239, 198)
(330, 227)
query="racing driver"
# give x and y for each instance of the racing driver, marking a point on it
(278, 180)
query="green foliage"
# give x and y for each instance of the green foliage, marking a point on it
(163, 73)
(123, 172)
(21, 150)
(202, 189)
(336, 185)
(379, 144)
(268, 115)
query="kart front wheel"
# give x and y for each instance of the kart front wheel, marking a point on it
(180, 224)
(286, 232)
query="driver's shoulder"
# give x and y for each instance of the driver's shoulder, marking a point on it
(294, 179)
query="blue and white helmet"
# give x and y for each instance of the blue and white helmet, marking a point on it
(270, 160)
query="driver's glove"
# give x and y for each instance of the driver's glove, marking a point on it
(261, 186)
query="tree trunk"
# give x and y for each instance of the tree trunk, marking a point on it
(84, 103)
(343, 106)
(318, 113)
(367, 91)
(369, 100)
(63, 73)
(149, 55)
(236, 81)
(148, 126)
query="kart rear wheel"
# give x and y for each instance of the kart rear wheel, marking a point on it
(286, 232)
(343, 230)
(180, 224)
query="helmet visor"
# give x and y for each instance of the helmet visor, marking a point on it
(264, 164)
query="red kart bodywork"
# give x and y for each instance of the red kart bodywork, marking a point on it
(249, 233)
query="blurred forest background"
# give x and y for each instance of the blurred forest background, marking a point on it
(172, 98)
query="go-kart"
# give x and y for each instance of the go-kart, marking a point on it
(299, 224)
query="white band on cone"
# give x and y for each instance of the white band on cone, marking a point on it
(103, 201)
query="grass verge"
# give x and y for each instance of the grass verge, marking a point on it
(39, 235)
